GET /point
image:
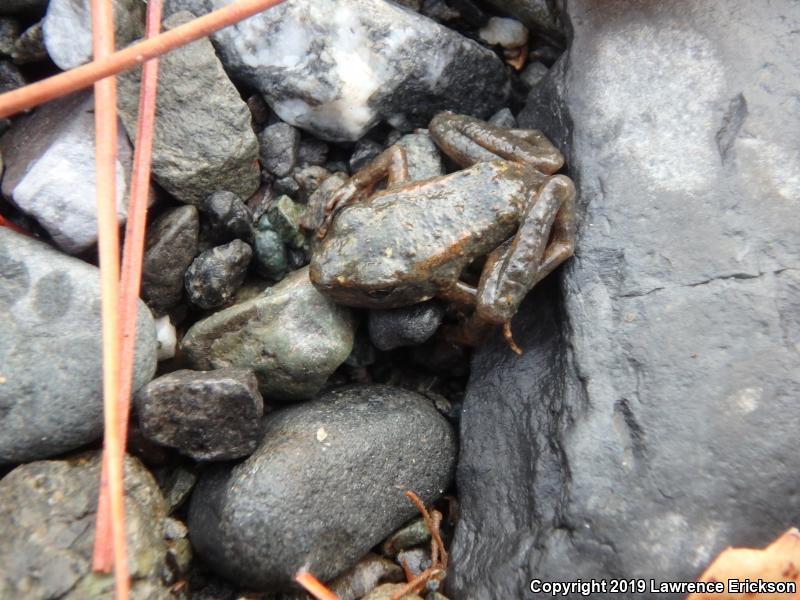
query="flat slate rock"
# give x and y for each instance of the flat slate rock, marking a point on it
(203, 140)
(325, 485)
(50, 350)
(652, 421)
(338, 67)
(292, 336)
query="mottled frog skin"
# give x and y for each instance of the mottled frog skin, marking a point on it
(411, 242)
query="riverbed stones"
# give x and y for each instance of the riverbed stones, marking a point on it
(228, 217)
(213, 277)
(338, 67)
(292, 336)
(50, 350)
(203, 141)
(651, 421)
(68, 29)
(206, 415)
(325, 485)
(279, 143)
(47, 531)
(170, 247)
(50, 170)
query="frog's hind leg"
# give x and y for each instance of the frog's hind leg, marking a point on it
(392, 165)
(545, 239)
(468, 140)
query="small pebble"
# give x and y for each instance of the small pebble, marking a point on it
(415, 559)
(410, 535)
(364, 153)
(205, 415)
(228, 217)
(165, 338)
(370, 571)
(424, 158)
(508, 33)
(9, 32)
(270, 251)
(284, 215)
(29, 47)
(533, 73)
(387, 592)
(279, 144)
(286, 185)
(10, 76)
(312, 152)
(503, 118)
(405, 326)
(309, 179)
(215, 275)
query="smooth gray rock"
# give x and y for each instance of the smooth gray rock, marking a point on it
(270, 251)
(292, 336)
(338, 67)
(279, 144)
(424, 159)
(50, 350)
(504, 118)
(652, 420)
(325, 485)
(213, 277)
(68, 29)
(533, 73)
(170, 248)
(47, 531)
(404, 326)
(206, 415)
(50, 170)
(203, 140)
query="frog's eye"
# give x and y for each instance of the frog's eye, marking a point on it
(378, 294)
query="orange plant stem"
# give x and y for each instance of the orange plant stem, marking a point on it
(132, 56)
(314, 586)
(108, 246)
(131, 276)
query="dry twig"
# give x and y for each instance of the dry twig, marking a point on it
(131, 276)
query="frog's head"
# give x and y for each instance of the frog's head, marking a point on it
(357, 264)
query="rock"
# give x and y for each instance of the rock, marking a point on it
(203, 139)
(424, 160)
(228, 217)
(308, 180)
(292, 336)
(9, 32)
(176, 484)
(299, 501)
(654, 407)
(29, 47)
(279, 144)
(508, 33)
(170, 248)
(387, 591)
(68, 29)
(416, 560)
(412, 534)
(370, 571)
(540, 15)
(179, 552)
(24, 7)
(504, 118)
(405, 326)
(270, 251)
(533, 73)
(364, 153)
(47, 530)
(205, 415)
(166, 338)
(336, 68)
(213, 277)
(286, 185)
(50, 170)
(10, 77)
(284, 215)
(312, 152)
(50, 351)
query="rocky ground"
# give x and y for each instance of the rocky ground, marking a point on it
(648, 425)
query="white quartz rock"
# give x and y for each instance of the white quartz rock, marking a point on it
(165, 338)
(508, 33)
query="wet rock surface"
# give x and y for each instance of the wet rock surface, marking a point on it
(50, 366)
(213, 277)
(292, 336)
(228, 217)
(50, 170)
(206, 415)
(405, 326)
(303, 57)
(170, 247)
(203, 140)
(47, 530)
(624, 440)
(325, 485)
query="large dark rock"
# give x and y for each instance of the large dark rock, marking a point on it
(50, 350)
(338, 67)
(324, 487)
(652, 420)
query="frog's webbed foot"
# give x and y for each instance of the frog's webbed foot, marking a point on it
(545, 239)
(468, 140)
(392, 165)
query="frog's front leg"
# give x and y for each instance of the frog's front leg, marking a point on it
(545, 239)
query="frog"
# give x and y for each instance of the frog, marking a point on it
(411, 241)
